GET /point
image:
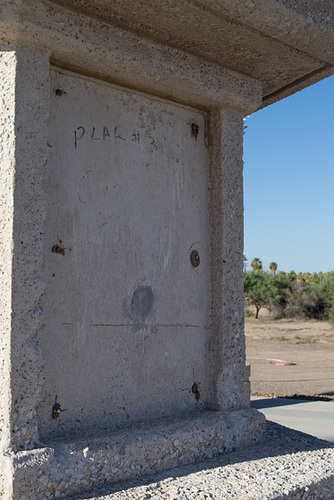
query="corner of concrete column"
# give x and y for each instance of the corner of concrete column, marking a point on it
(226, 189)
(25, 73)
(248, 384)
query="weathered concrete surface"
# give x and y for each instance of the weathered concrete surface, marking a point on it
(288, 465)
(7, 160)
(226, 208)
(67, 467)
(195, 182)
(286, 45)
(24, 77)
(126, 314)
(103, 298)
(97, 48)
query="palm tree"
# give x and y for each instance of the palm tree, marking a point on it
(314, 279)
(273, 267)
(292, 275)
(256, 264)
(306, 277)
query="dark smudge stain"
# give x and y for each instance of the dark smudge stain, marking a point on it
(142, 302)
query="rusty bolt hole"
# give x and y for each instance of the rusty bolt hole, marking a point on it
(195, 390)
(194, 258)
(60, 92)
(194, 130)
(56, 409)
(58, 249)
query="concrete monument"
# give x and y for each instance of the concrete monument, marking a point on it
(122, 228)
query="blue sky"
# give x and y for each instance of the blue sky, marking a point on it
(289, 181)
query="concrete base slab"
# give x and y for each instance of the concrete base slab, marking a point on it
(66, 468)
(288, 465)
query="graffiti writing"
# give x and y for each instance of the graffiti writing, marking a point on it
(119, 133)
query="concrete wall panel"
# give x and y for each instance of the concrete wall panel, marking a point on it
(125, 330)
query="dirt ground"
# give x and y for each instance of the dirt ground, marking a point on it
(290, 357)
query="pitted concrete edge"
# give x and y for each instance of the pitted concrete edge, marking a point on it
(72, 467)
(288, 465)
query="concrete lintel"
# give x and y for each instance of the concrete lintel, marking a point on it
(297, 85)
(304, 25)
(72, 467)
(275, 42)
(124, 58)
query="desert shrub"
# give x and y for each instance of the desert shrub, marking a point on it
(283, 285)
(331, 315)
(328, 292)
(303, 296)
(248, 313)
(277, 311)
(304, 305)
(261, 290)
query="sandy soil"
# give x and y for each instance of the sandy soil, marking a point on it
(308, 345)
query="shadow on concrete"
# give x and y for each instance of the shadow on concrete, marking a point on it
(274, 402)
(279, 441)
(313, 416)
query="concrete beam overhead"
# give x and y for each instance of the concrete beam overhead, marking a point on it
(285, 45)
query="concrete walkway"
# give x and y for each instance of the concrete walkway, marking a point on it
(312, 417)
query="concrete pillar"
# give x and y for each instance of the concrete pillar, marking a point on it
(228, 343)
(24, 114)
(7, 158)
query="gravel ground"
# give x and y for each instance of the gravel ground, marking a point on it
(289, 465)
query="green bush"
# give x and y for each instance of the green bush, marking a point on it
(309, 296)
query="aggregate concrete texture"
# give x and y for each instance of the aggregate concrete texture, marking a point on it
(288, 465)
(284, 45)
(268, 48)
(25, 86)
(122, 227)
(97, 48)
